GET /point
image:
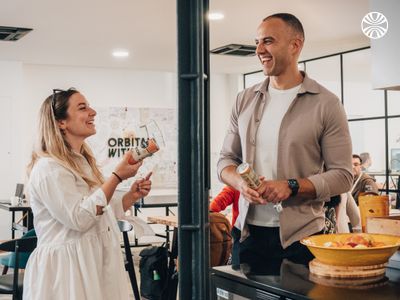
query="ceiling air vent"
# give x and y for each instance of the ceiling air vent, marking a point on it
(12, 33)
(235, 49)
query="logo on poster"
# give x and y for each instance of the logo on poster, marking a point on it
(374, 25)
(117, 146)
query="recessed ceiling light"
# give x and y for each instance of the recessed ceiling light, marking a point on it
(215, 16)
(120, 53)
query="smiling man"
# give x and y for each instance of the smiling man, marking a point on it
(294, 133)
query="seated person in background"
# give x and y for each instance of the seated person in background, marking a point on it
(361, 180)
(226, 197)
(366, 161)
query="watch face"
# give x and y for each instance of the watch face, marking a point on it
(294, 186)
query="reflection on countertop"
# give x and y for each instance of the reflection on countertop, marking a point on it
(293, 280)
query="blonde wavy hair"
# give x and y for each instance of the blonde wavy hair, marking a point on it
(52, 143)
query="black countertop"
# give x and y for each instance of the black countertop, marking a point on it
(294, 281)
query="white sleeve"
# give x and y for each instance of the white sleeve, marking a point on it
(341, 215)
(353, 212)
(59, 193)
(117, 207)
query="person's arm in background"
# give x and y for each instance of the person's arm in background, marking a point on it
(353, 212)
(371, 182)
(223, 199)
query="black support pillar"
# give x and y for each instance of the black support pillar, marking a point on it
(193, 149)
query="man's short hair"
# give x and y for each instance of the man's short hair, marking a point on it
(291, 21)
(357, 156)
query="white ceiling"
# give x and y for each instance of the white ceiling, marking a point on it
(84, 32)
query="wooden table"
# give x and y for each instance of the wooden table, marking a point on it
(143, 203)
(164, 220)
(171, 292)
(27, 217)
(168, 221)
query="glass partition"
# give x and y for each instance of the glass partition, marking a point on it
(369, 136)
(327, 72)
(253, 78)
(393, 103)
(360, 100)
(394, 144)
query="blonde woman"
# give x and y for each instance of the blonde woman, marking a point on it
(78, 254)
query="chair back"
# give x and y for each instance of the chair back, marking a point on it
(125, 227)
(27, 244)
(8, 261)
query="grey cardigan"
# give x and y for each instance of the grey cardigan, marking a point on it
(314, 142)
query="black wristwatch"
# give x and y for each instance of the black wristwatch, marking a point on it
(294, 186)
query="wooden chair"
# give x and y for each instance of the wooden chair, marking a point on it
(13, 283)
(125, 227)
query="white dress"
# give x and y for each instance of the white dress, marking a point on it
(78, 254)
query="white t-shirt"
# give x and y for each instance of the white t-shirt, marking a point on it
(266, 155)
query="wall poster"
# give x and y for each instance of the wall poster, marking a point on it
(121, 128)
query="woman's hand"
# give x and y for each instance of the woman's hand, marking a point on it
(139, 189)
(99, 210)
(126, 170)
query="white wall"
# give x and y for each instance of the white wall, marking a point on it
(223, 90)
(10, 91)
(24, 87)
